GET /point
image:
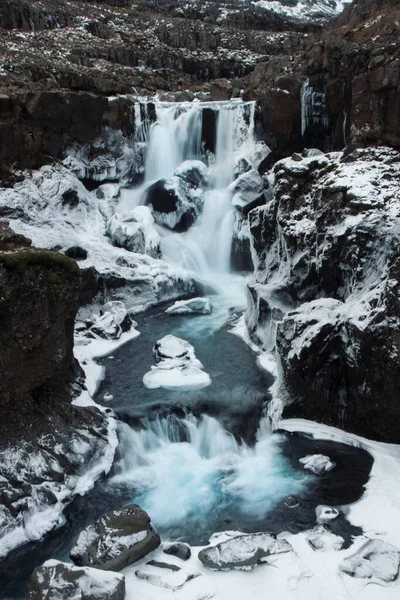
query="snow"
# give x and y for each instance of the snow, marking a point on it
(317, 463)
(194, 306)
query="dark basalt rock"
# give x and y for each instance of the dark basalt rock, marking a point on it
(76, 252)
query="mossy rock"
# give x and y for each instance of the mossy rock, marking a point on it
(55, 262)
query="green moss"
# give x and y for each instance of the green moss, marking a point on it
(58, 265)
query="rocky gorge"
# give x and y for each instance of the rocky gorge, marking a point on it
(173, 173)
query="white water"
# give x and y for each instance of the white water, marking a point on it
(176, 137)
(183, 471)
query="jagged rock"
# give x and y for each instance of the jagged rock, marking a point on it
(178, 549)
(323, 539)
(247, 191)
(317, 463)
(112, 321)
(135, 231)
(177, 366)
(376, 560)
(243, 552)
(194, 306)
(175, 203)
(55, 580)
(325, 514)
(116, 540)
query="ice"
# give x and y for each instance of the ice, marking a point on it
(317, 463)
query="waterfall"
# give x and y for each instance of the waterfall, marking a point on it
(176, 136)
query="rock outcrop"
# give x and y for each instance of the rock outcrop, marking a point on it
(327, 282)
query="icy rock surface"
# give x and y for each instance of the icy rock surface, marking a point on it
(178, 549)
(177, 366)
(135, 231)
(243, 552)
(326, 288)
(116, 540)
(175, 203)
(55, 580)
(192, 171)
(376, 560)
(247, 190)
(112, 321)
(317, 463)
(194, 306)
(323, 539)
(325, 514)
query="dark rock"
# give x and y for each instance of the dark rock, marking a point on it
(163, 565)
(178, 549)
(76, 252)
(175, 203)
(116, 540)
(70, 198)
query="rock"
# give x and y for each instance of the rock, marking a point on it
(116, 540)
(323, 539)
(247, 191)
(192, 171)
(112, 321)
(243, 552)
(76, 252)
(175, 203)
(194, 306)
(177, 366)
(221, 90)
(317, 463)
(163, 565)
(55, 580)
(376, 560)
(325, 514)
(178, 549)
(135, 232)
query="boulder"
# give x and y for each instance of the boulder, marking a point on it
(194, 306)
(135, 232)
(247, 191)
(112, 321)
(177, 366)
(325, 514)
(178, 549)
(175, 203)
(317, 463)
(116, 540)
(376, 560)
(324, 540)
(55, 580)
(192, 171)
(76, 252)
(243, 552)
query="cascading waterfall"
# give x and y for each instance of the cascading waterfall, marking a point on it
(187, 471)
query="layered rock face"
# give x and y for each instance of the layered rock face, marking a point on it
(327, 282)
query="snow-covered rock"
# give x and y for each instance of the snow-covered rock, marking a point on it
(192, 171)
(323, 539)
(55, 580)
(194, 306)
(247, 191)
(178, 549)
(243, 552)
(175, 203)
(116, 540)
(177, 366)
(112, 321)
(135, 231)
(375, 560)
(325, 514)
(317, 463)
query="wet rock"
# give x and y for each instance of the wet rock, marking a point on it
(56, 580)
(175, 203)
(116, 540)
(178, 549)
(76, 252)
(135, 232)
(317, 463)
(375, 560)
(192, 171)
(194, 306)
(243, 552)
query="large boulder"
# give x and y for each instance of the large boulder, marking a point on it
(194, 306)
(55, 580)
(247, 191)
(135, 231)
(175, 203)
(192, 171)
(116, 540)
(375, 560)
(243, 552)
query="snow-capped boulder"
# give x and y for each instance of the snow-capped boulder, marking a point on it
(116, 540)
(325, 514)
(323, 539)
(192, 171)
(178, 549)
(317, 463)
(55, 580)
(247, 191)
(175, 203)
(112, 321)
(243, 552)
(375, 560)
(194, 306)
(260, 154)
(177, 366)
(135, 231)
